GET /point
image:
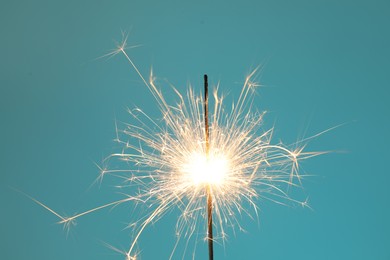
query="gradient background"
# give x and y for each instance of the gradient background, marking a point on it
(325, 63)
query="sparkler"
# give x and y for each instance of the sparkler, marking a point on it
(189, 158)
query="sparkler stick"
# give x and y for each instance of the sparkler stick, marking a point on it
(208, 189)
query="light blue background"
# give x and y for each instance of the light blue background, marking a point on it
(325, 63)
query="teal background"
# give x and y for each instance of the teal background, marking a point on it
(324, 63)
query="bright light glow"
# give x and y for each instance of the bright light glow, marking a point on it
(203, 170)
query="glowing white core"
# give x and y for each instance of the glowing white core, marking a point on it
(203, 170)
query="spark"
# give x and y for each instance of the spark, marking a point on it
(169, 165)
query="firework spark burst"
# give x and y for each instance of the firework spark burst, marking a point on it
(169, 166)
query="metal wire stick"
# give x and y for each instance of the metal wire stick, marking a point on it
(208, 189)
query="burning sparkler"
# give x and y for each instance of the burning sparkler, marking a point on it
(208, 166)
